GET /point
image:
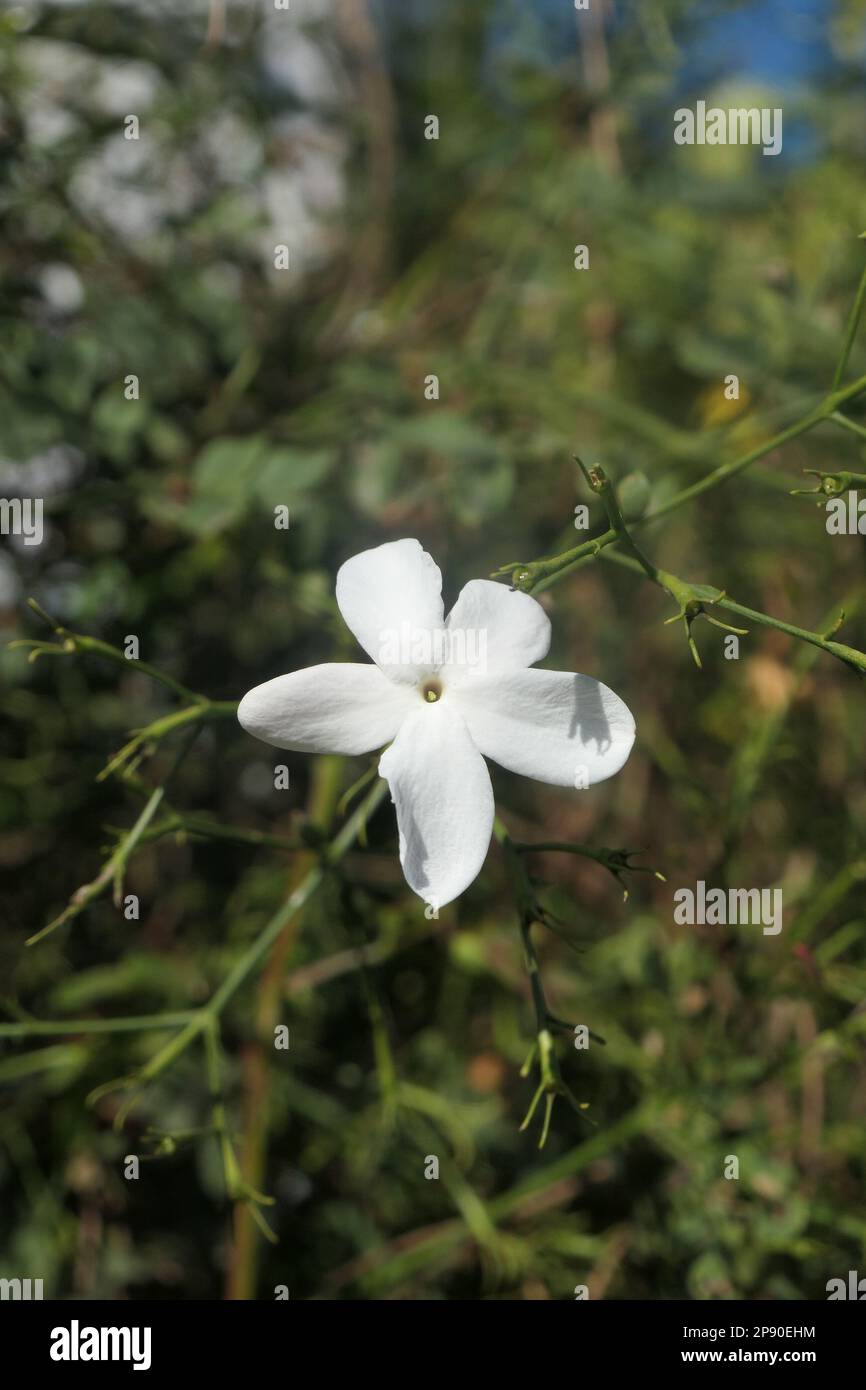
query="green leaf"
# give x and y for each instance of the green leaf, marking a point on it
(287, 475)
(227, 468)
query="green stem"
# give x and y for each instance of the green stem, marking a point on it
(851, 425)
(529, 910)
(400, 1259)
(256, 953)
(850, 331)
(850, 655)
(80, 642)
(823, 411)
(603, 488)
(201, 827)
(616, 861)
(538, 575)
(38, 1028)
(197, 1022)
(113, 869)
(725, 471)
(158, 729)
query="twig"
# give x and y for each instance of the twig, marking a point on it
(73, 643)
(114, 868)
(538, 575)
(616, 861)
(850, 655)
(249, 961)
(530, 911)
(850, 329)
(63, 1027)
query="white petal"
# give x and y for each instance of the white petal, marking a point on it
(391, 599)
(492, 628)
(327, 709)
(561, 728)
(441, 788)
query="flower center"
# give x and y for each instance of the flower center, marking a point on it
(431, 690)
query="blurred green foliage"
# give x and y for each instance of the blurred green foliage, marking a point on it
(306, 388)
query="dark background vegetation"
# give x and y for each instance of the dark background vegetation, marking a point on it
(305, 387)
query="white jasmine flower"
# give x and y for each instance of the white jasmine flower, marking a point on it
(444, 694)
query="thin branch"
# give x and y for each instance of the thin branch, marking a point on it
(850, 330)
(197, 827)
(63, 1027)
(114, 868)
(538, 575)
(250, 960)
(529, 911)
(850, 425)
(616, 861)
(128, 757)
(72, 643)
(849, 655)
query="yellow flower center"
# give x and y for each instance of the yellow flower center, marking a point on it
(431, 690)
